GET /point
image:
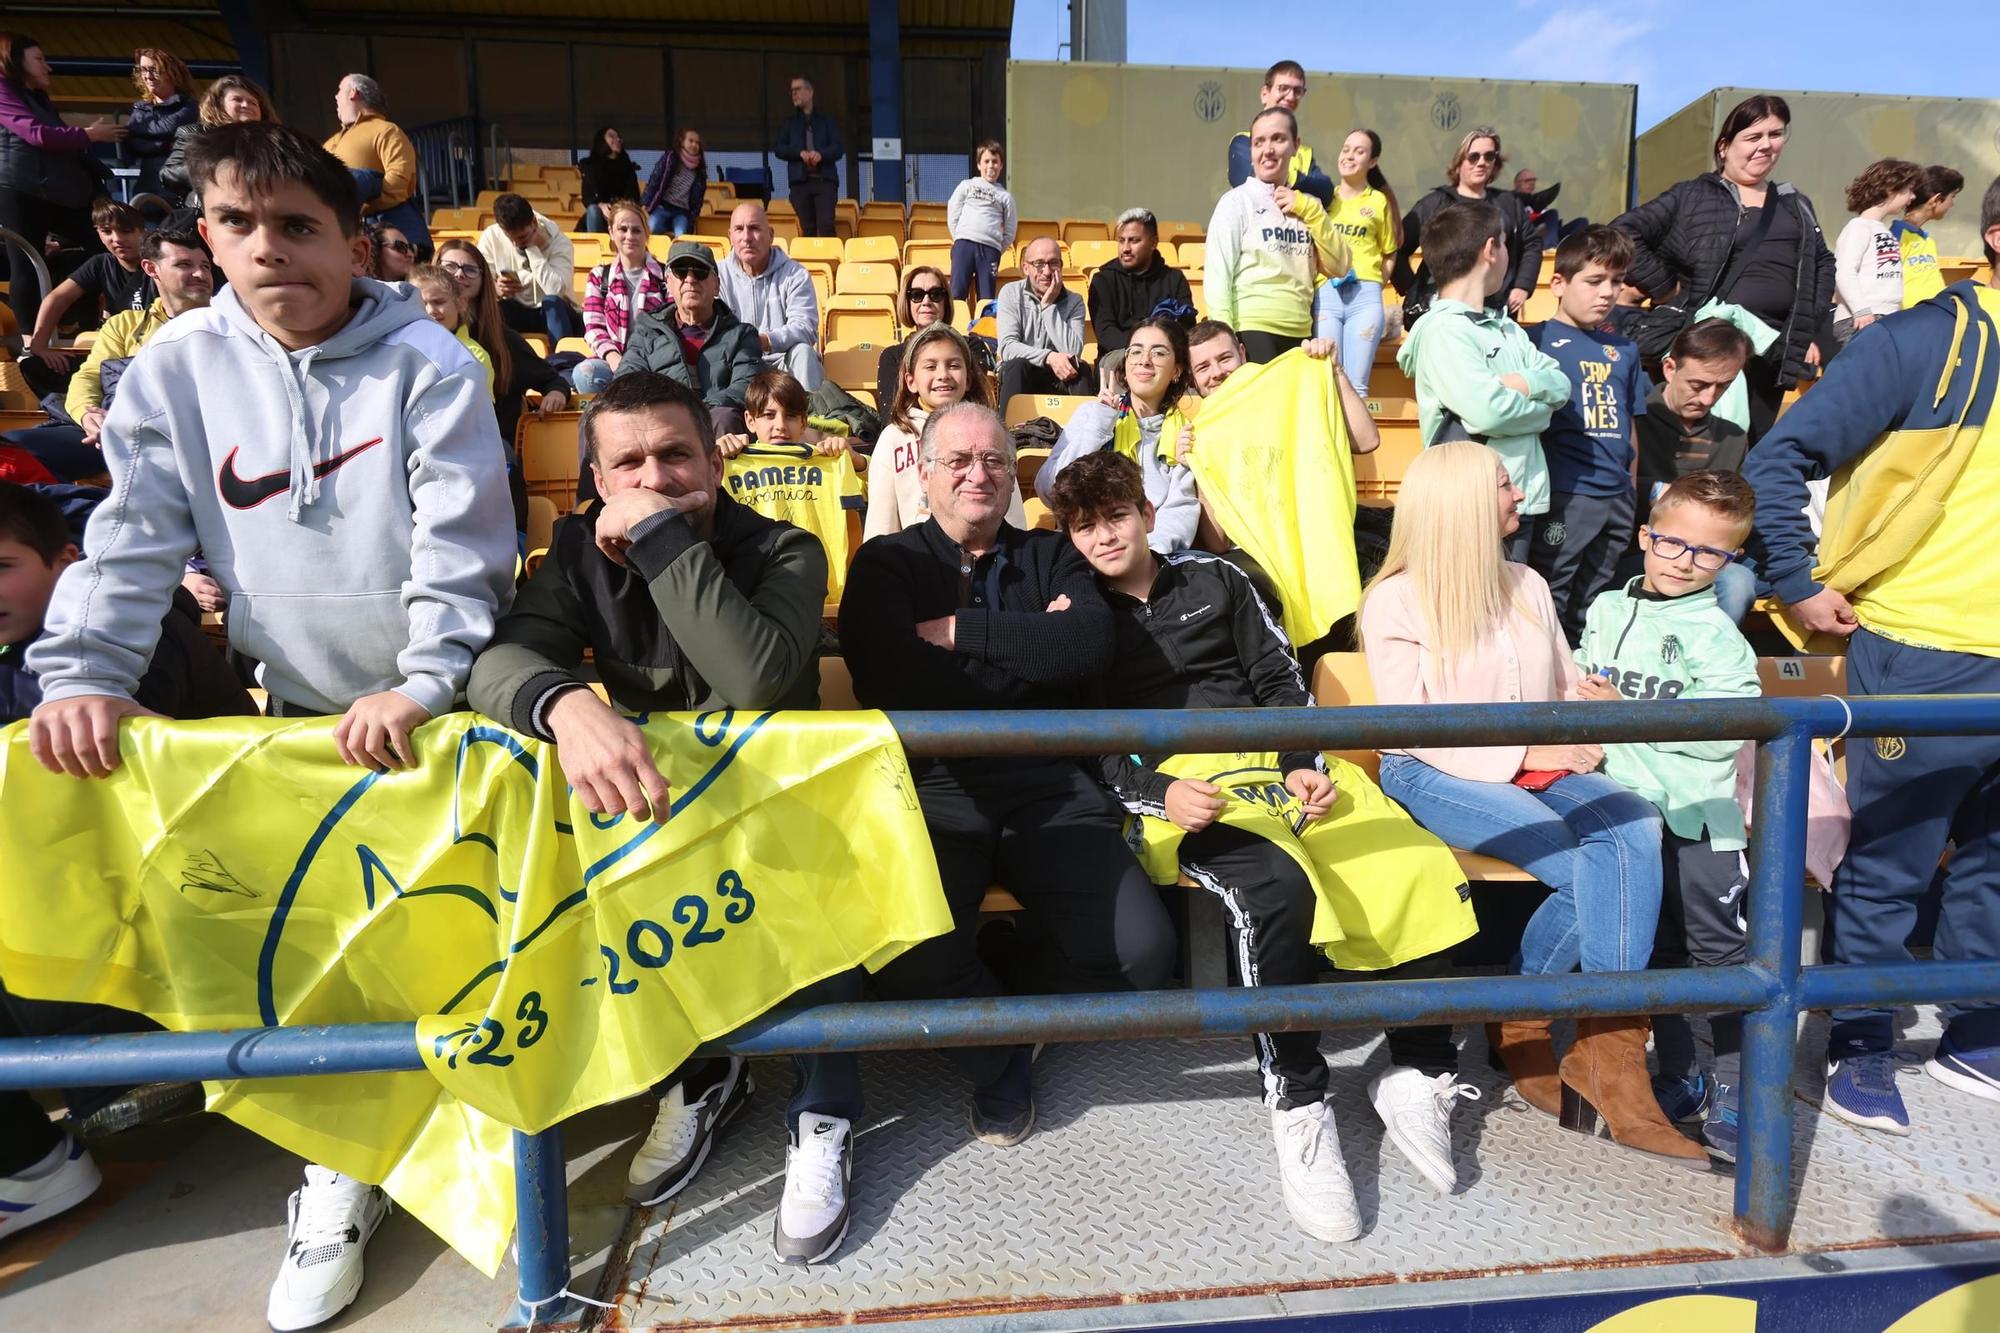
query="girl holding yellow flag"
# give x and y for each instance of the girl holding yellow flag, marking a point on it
(1305, 852)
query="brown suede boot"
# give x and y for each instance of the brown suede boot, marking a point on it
(1525, 1052)
(1604, 1075)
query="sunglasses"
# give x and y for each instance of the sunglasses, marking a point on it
(405, 248)
(927, 295)
(1482, 157)
(689, 272)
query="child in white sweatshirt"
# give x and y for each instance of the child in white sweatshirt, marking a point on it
(1868, 257)
(981, 220)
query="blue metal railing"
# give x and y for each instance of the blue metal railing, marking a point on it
(1769, 986)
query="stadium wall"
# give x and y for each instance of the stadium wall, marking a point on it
(1835, 135)
(1090, 140)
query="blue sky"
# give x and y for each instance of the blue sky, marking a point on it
(1675, 50)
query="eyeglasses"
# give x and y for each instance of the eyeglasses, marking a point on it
(1482, 157)
(456, 270)
(993, 465)
(1297, 90)
(1041, 263)
(1673, 548)
(927, 295)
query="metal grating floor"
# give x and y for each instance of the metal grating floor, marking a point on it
(1151, 1178)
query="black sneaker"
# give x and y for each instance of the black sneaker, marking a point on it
(1003, 1112)
(684, 1131)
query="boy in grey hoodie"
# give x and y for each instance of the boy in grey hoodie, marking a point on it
(332, 453)
(1663, 636)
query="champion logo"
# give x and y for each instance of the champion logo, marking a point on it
(1190, 615)
(248, 492)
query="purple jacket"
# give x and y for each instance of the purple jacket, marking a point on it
(39, 155)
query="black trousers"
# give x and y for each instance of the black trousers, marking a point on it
(1050, 835)
(34, 218)
(1269, 903)
(1018, 376)
(26, 1133)
(1704, 910)
(1760, 381)
(1577, 547)
(1261, 347)
(812, 200)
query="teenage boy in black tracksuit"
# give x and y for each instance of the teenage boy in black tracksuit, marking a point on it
(1191, 632)
(964, 611)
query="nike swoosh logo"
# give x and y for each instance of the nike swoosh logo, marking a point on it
(248, 493)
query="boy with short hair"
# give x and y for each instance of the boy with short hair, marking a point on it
(110, 282)
(1302, 849)
(1590, 444)
(1921, 278)
(358, 522)
(1478, 376)
(790, 467)
(1663, 636)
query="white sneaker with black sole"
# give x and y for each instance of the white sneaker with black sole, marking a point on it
(64, 1178)
(812, 1215)
(1416, 1110)
(329, 1221)
(682, 1134)
(1318, 1193)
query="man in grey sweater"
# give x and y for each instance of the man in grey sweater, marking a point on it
(769, 289)
(1041, 329)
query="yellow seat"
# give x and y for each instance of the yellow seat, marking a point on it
(542, 515)
(1027, 463)
(1085, 229)
(853, 368)
(580, 346)
(1093, 254)
(1198, 298)
(882, 208)
(928, 229)
(1178, 233)
(930, 254)
(866, 279)
(826, 249)
(867, 249)
(1057, 407)
(1193, 255)
(1033, 229)
(1389, 381)
(1169, 253)
(847, 213)
(779, 207)
(849, 321)
(550, 461)
(1038, 514)
(822, 279)
(1378, 475)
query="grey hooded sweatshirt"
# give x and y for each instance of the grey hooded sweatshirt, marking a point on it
(351, 498)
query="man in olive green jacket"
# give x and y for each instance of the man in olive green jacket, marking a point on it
(687, 601)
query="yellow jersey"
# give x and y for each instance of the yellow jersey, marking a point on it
(1941, 594)
(818, 492)
(1921, 278)
(1365, 222)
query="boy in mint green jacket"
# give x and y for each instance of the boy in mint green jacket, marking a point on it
(1478, 375)
(1663, 636)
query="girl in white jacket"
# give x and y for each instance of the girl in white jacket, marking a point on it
(1868, 257)
(937, 369)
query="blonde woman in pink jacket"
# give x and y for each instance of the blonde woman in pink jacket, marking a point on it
(1448, 620)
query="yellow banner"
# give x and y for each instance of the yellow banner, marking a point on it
(233, 874)
(1385, 890)
(1273, 466)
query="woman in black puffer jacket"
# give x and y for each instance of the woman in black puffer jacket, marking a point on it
(166, 104)
(1737, 228)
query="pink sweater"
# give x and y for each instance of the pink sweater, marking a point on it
(1525, 659)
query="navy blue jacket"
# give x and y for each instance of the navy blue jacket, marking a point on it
(826, 141)
(1312, 181)
(149, 135)
(1885, 380)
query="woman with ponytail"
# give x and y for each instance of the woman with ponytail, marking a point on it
(1348, 311)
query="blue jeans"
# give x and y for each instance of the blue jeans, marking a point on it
(671, 222)
(593, 219)
(1593, 842)
(591, 376)
(60, 449)
(1351, 317)
(555, 317)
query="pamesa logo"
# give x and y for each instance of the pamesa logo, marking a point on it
(1209, 103)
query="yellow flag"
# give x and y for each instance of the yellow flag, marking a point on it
(1386, 891)
(1272, 463)
(817, 492)
(233, 874)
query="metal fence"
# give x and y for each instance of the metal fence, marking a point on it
(1769, 986)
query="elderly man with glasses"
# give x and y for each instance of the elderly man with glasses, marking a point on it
(698, 340)
(964, 610)
(1041, 329)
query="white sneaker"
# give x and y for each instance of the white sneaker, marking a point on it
(1416, 1110)
(812, 1217)
(59, 1182)
(683, 1132)
(1318, 1193)
(330, 1219)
